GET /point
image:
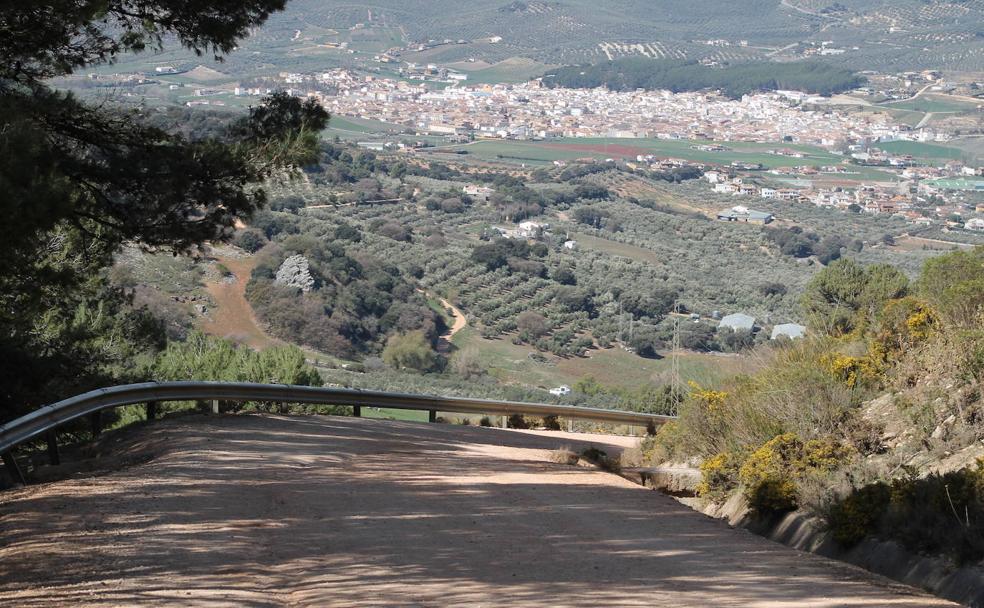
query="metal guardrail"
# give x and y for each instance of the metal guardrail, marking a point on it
(43, 421)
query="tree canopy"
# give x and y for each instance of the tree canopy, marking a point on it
(78, 180)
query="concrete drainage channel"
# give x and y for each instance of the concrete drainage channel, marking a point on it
(804, 532)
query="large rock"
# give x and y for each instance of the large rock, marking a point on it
(295, 272)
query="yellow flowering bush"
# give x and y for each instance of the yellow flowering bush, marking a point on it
(719, 476)
(853, 371)
(770, 474)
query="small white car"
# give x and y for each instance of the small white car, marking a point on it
(560, 391)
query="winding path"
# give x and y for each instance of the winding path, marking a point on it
(323, 511)
(460, 320)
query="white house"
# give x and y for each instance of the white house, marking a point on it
(790, 330)
(975, 224)
(738, 321)
(532, 230)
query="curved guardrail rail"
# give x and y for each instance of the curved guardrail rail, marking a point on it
(44, 420)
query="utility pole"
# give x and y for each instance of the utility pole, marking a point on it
(677, 384)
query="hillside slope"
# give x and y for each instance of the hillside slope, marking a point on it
(890, 34)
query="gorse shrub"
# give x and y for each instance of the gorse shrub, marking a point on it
(853, 371)
(719, 476)
(769, 475)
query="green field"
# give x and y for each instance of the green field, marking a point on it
(923, 150)
(859, 173)
(520, 152)
(624, 250)
(933, 103)
(362, 125)
(600, 148)
(511, 364)
(957, 183)
(512, 70)
(391, 414)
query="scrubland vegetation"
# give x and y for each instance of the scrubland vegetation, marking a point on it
(873, 423)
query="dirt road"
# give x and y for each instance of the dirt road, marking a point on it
(234, 317)
(459, 322)
(270, 511)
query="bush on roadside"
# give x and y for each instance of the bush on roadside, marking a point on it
(564, 455)
(770, 474)
(517, 421)
(936, 514)
(719, 476)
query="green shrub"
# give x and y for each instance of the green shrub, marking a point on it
(936, 514)
(410, 351)
(854, 517)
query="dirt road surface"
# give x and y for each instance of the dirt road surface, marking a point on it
(327, 511)
(234, 318)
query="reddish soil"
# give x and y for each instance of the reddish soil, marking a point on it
(234, 318)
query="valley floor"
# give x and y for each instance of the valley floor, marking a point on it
(329, 511)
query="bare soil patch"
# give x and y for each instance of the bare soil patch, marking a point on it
(233, 317)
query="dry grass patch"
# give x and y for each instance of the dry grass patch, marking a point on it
(564, 455)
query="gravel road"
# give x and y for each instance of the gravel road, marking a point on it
(330, 511)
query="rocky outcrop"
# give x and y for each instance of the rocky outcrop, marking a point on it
(295, 272)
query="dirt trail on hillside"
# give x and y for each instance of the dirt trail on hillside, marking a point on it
(233, 317)
(460, 320)
(328, 511)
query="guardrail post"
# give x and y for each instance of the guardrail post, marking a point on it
(54, 457)
(215, 406)
(151, 410)
(11, 463)
(95, 420)
(357, 411)
(570, 425)
(505, 421)
(431, 415)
